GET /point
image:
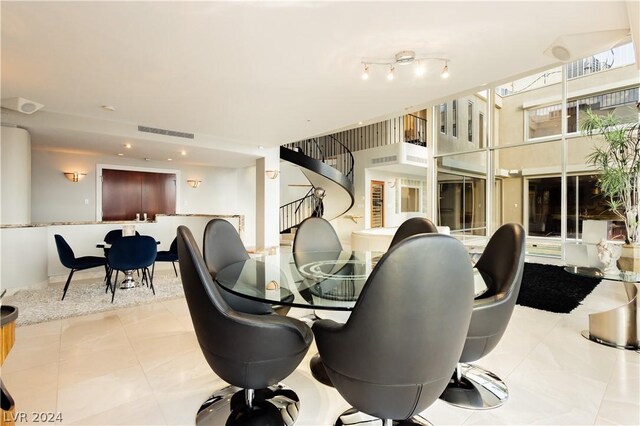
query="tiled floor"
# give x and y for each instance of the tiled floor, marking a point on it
(142, 365)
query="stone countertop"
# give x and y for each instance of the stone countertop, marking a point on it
(114, 222)
(201, 215)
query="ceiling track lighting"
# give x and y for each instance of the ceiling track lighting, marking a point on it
(405, 57)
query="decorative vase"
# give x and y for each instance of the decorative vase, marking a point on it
(630, 258)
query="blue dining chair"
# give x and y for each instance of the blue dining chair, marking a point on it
(69, 260)
(131, 253)
(170, 255)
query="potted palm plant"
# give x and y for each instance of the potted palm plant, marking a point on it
(617, 157)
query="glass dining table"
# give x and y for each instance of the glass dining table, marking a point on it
(313, 280)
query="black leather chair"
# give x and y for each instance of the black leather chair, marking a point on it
(501, 265)
(251, 352)
(132, 253)
(69, 260)
(396, 353)
(413, 226)
(316, 234)
(221, 247)
(170, 255)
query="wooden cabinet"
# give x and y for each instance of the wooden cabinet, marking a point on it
(127, 193)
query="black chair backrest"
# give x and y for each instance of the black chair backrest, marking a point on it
(413, 226)
(235, 344)
(399, 348)
(501, 265)
(113, 235)
(411, 319)
(133, 252)
(174, 246)
(222, 246)
(65, 252)
(316, 234)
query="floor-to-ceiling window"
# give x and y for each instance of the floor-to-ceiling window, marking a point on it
(539, 174)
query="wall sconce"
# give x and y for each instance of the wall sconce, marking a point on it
(272, 174)
(74, 176)
(194, 183)
(392, 183)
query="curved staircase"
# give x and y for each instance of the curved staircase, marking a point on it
(327, 163)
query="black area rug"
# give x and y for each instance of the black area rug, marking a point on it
(551, 288)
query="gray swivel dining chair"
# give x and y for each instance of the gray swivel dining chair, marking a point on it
(413, 226)
(316, 234)
(501, 265)
(221, 247)
(394, 356)
(250, 352)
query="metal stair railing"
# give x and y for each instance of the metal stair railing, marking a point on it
(293, 213)
(329, 150)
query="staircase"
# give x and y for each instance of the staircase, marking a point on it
(326, 163)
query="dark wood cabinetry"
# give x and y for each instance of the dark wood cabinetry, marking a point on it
(126, 193)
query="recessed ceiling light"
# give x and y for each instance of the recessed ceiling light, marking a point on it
(108, 108)
(261, 147)
(120, 154)
(147, 159)
(183, 152)
(169, 159)
(359, 123)
(127, 145)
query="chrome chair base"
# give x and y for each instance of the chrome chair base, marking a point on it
(355, 417)
(276, 405)
(477, 389)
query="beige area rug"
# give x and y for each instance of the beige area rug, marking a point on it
(87, 296)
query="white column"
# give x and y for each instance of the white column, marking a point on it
(268, 201)
(15, 171)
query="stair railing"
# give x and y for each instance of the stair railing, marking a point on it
(329, 150)
(291, 214)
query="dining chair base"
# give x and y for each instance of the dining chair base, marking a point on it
(354, 417)
(476, 389)
(275, 405)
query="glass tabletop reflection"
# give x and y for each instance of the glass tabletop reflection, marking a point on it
(316, 280)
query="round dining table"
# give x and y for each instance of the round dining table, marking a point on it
(313, 280)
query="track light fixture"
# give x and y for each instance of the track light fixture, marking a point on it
(365, 73)
(405, 57)
(445, 70)
(390, 75)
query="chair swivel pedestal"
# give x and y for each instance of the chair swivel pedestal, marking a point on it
(501, 266)
(275, 405)
(251, 352)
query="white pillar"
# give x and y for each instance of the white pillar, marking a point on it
(268, 201)
(15, 172)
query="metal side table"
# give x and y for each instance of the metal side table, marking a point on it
(617, 327)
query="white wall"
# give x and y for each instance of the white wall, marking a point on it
(364, 172)
(267, 201)
(15, 182)
(30, 258)
(55, 199)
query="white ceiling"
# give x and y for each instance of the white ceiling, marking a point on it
(267, 73)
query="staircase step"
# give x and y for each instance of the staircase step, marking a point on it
(287, 239)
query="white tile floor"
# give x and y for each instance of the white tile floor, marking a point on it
(143, 365)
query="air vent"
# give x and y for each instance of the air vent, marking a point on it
(386, 159)
(417, 159)
(166, 132)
